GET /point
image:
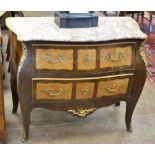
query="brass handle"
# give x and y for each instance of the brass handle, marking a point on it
(116, 89)
(86, 59)
(60, 92)
(84, 92)
(108, 57)
(48, 58)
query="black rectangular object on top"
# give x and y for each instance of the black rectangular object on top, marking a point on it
(64, 19)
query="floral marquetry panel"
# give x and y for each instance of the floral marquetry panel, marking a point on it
(115, 56)
(50, 91)
(85, 90)
(112, 87)
(86, 59)
(54, 59)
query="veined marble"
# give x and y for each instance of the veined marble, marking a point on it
(2, 13)
(44, 28)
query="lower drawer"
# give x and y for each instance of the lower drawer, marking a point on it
(109, 87)
(52, 89)
(2, 122)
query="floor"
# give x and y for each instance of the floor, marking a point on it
(106, 125)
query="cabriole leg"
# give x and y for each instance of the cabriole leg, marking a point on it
(26, 123)
(15, 99)
(130, 106)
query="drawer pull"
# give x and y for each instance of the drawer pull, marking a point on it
(85, 92)
(116, 89)
(60, 92)
(86, 59)
(48, 58)
(108, 57)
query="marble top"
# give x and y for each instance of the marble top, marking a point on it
(44, 28)
(2, 13)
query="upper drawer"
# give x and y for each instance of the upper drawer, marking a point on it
(81, 58)
(117, 56)
(54, 59)
(86, 59)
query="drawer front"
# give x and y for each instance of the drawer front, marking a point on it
(54, 59)
(1, 122)
(52, 89)
(86, 59)
(116, 56)
(85, 90)
(99, 57)
(108, 87)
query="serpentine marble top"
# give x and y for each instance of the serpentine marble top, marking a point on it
(2, 13)
(44, 28)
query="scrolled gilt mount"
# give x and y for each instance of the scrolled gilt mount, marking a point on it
(142, 53)
(82, 113)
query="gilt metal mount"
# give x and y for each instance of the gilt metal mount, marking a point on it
(82, 112)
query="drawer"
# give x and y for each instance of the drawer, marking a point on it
(112, 56)
(86, 59)
(2, 127)
(117, 56)
(52, 89)
(85, 90)
(53, 59)
(111, 87)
